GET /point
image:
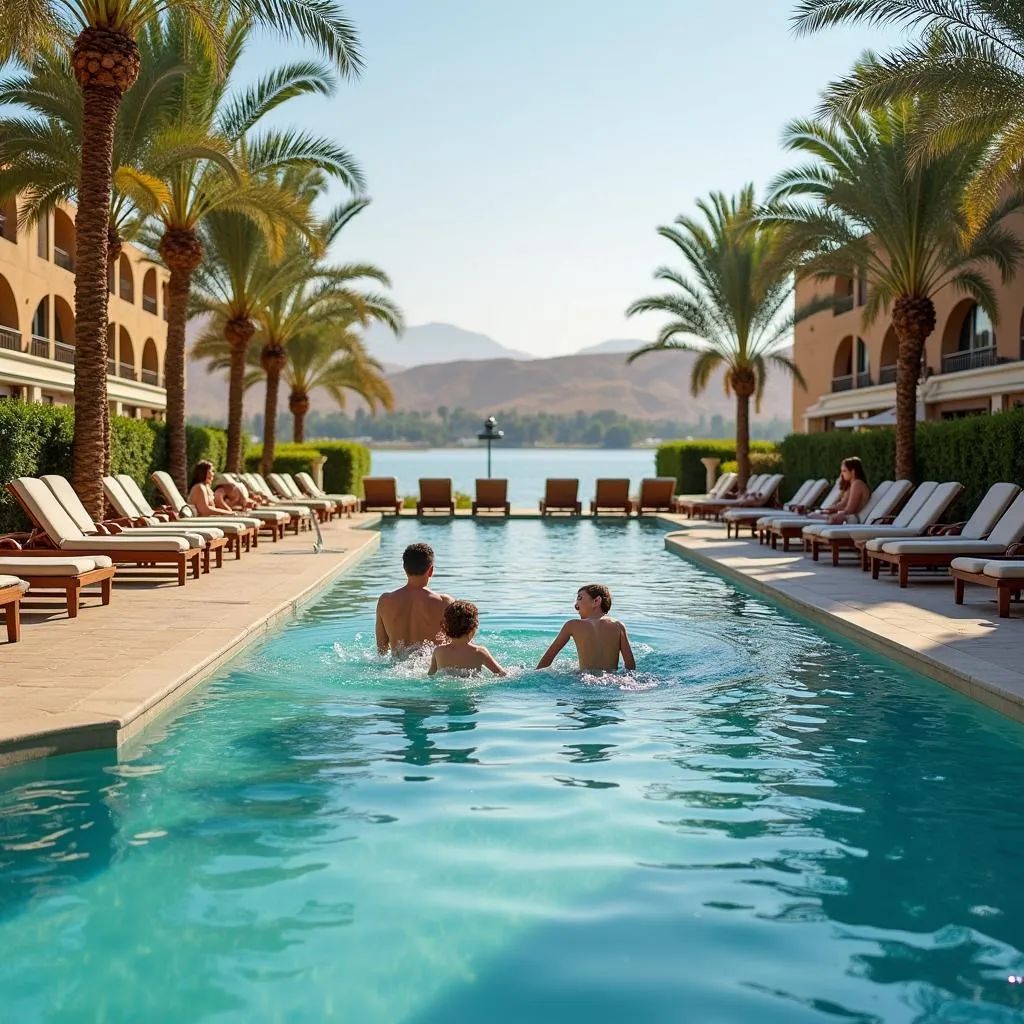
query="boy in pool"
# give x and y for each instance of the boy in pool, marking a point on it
(599, 639)
(460, 655)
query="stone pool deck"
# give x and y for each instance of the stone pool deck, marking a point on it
(967, 647)
(93, 681)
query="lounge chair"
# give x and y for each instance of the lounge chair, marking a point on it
(283, 486)
(435, 496)
(380, 495)
(786, 525)
(973, 539)
(322, 509)
(656, 494)
(561, 496)
(1005, 576)
(807, 496)
(58, 572)
(295, 517)
(58, 530)
(239, 535)
(492, 496)
(611, 496)
(210, 540)
(723, 488)
(176, 508)
(349, 503)
(12, 590)
(700, 506)
(923, 509)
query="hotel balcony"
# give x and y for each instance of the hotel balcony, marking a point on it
(63, 258)
(972, 359)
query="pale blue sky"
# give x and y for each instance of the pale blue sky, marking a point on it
(520, 155)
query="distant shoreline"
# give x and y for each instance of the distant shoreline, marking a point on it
(423, 446)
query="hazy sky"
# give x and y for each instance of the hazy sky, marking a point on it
(520, 155)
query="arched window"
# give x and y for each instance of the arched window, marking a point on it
(127, 280)
(149, 290)
(63, 240)
(10, 336)
(150, 363)
(969, 340)
(9, 220)
(976, 331)
(842, 295)
(126, 356)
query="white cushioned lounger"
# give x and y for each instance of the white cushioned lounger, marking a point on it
(125, 505)
(803, 521)
(308, 484)
(874, 510)
(800, 498)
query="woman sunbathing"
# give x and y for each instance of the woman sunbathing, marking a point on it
(854, 494)
(201, 492)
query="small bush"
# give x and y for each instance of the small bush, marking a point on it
(288, 458)
(681, 459)
(347, 463)
(760, 462)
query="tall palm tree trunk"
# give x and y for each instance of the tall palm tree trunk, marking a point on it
(114, 246)
(182, 251)
(238, 334)
(743, 384)
(106, 65)
(272, 359)
(913, 319)
(298, 406)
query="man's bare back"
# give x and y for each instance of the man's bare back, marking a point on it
(599, 639)
(411, 615)
(408, 617)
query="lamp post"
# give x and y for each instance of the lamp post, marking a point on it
(490, 434)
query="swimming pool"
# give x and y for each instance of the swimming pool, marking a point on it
(762, 824)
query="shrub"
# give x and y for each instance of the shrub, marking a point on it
(347, 463)
(760, 462)
(288, 458)
(681, 459)
(210, 443)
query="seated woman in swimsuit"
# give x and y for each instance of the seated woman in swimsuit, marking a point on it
(854, 493)
(201, 492)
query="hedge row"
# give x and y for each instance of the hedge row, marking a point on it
(760, 462)
(35, 439)
(977, 451)
(681, 459)
(347, 462)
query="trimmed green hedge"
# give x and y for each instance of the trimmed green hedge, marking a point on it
(977, 450)
(760, 462)
(347, 462)
(681, 459)
(210, 443)
(35, 439)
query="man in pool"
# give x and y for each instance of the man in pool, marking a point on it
(411, 615)
(599, 639)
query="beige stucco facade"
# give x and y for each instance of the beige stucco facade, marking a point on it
(37, 325)
(970, 366)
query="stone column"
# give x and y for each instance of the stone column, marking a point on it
(710, 465)
(318, 471)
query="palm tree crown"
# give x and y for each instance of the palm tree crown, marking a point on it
(733, 311)
(865, 206)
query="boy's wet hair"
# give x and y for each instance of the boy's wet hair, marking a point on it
(460, 619)
(417, 559)
(598, 590)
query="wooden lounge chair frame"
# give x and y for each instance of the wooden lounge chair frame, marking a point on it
(41, 543)
(1007, 590)
(556, 500)
(274, 527)
(10, 605)
(491, 488)
(617, 502)
(308, 488)
(435, 496)
(373, 503)
(71, 584)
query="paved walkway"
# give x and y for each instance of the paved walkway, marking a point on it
(966, 647)
(92, 681)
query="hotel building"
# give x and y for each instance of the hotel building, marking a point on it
(970, 365)
(37, 319)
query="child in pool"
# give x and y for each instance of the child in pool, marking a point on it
(460, 655)
(599, 639)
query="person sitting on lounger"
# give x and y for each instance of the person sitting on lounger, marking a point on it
(854, 494)
(201, 493)
(460, 656)
(411, 615)
(232, 496)
(599, 639)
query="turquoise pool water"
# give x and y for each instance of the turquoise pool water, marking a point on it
(760, 825)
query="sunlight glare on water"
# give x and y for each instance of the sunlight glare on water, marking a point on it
(759, 824)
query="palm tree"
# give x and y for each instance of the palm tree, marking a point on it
(208, 160)
(338, 362)
(970, 54)
(865, 206)
(732, 312)
(101, 35)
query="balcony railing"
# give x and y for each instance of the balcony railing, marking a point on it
(843, 305)
(844, 383)
(126, 370)
(864, 379)
(150, 377)
(10, 339)
(111, 367)
(149, 303)
(63, 352)
(63, 258)
(127, 290)
(973, 359)
(39, 346)
(887, 374)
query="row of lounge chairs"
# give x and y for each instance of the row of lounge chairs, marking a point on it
(68, 551)
(561, 497)
(900, 529)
